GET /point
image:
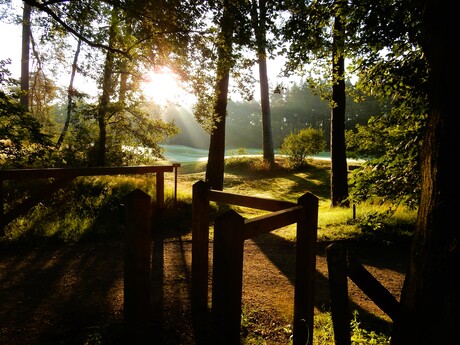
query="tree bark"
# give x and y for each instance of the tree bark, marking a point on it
(339, 170)
(70, 95)
(107, 91)
(259, 22)
(430, 298)
(25, 54)
(102, 111)
(123, 82)
(216, 155)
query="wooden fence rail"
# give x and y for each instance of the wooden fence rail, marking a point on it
(63, 176)
(341, 264)
(230, 232)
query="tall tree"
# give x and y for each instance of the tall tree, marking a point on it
(70, 95)
(104, 110)
(216, 155)
(316, 31)
(339, 168)
(25, 54)
(259, 19)
(431, 296)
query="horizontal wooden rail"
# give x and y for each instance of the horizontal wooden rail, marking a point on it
(268, 222)
(373, 288)
(63, 176)
(17, 174)
(248, 201)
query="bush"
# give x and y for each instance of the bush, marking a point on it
(298, 146)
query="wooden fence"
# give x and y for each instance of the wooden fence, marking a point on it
(341, 265)
(230, 232)
(63, 176)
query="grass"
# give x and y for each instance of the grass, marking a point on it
(249, 176)
(91, 207)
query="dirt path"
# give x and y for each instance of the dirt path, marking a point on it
(73, 294)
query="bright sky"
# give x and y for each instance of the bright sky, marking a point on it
(11, 39)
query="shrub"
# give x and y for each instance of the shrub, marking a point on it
(298, 146)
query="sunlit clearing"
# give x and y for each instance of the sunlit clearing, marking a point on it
(162, 87)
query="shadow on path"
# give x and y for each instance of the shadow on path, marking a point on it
(55, 294)
(377, 254)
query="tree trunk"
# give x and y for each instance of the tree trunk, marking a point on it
(216, 155)
(339, 170)
(25, 56)
(70, 95)
(260, 32)
(107, 91)
(430, 298)
(123, 82)
(269, 152)
(102, 112)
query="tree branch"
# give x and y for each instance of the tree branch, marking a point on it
(44, 7)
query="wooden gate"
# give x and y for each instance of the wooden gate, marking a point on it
(230, 232)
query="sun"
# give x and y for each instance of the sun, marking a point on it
(162, 86)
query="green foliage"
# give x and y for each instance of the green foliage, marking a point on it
(324, 332)
(387, 58)
(298, 146)
(80, 139)
(398, 78)
(22, 142)
(361, 336)
(242, 151)
(391, 145)
(384, 221)
(132, 139)
(88, 208)
(372, 222)
(373, 219)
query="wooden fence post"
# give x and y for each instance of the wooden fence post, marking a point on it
(307, 227)
(338, 289)
(138, 243)
(200, 248)
(160, 188)
(227, 283)
(175, 167)
(2, 210)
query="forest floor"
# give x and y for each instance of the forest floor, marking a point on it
(73, 294)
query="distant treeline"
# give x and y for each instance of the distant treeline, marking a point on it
(293, 109)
